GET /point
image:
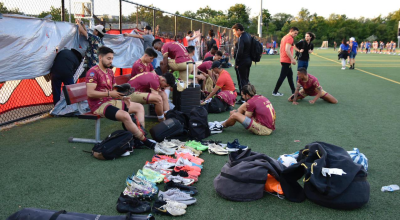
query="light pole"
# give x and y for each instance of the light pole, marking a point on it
(260, 22)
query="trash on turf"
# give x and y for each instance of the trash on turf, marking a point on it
(296, 141)
(390, 188)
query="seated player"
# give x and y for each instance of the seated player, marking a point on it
(149, 89)
(109, 103)
(216, 57)
(212, 52)
(311, 87)
(206, 75)
(225, 84)
(257, 114)
(144, 63)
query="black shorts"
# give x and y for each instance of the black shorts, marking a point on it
(111, 112)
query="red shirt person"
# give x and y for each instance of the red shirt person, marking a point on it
(144, 63)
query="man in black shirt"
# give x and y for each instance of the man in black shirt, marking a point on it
(211, 42)
(63, 70)
(242, 57)
(304, 48)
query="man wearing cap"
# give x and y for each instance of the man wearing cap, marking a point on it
(225, 84)
(95, 41)
(144, 63)
(150, 90)
(64, 67)
(146, 35)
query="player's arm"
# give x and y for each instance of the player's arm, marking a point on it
(92, 93)
(317, 96)
(296, 93)
(289, 53)
(215, 90)
(248, 114)
(81, 29)
(133, 35)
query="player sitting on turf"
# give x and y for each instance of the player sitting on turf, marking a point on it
(103, 100)
(150, 90)
(311, 87)
(257, 114)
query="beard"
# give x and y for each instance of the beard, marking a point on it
(106, 65)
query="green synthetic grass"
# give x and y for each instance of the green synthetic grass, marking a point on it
(39, 168)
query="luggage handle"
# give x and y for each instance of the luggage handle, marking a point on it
(187, 73)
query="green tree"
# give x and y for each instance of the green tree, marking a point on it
(280, 19)
(5, 10)
(239, 13)
(207, 13)
(190, 14)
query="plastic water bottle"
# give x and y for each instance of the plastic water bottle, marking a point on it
(390, 188)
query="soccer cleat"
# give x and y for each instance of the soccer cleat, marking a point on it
(163, 157)
(139, 192)
(167, 209)
(217, 149)
(127, 204)
(170, 144)
(277, 94)
(190, 150)
(196, 145)
(216, 129)
(234, 146)
(184, 174)
(185, 162)
(161, 149)
(150, 175)
(176, 142)
(142, 182)
(160, 202)
(191, 190)
(176, 195)
(190, 157)
(179, 179)
(191, 170)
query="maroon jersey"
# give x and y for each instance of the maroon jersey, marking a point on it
(208, 54)
(310, 87)
(206, 65)
(104, 82)
(140, 67)
(176, 51)
(263, 111)
(145, 82)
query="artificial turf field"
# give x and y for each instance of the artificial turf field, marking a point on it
(39, 168)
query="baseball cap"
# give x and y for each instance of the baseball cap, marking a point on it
(215, 64)
(99, 28)
(147, 27)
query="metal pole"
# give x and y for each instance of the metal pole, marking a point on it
(260, 22)
(69, 16)
(92, 13)
(137, 16)
(120, 26)
(175, 27)
(154, 22)
(191, 25)
(62, 10)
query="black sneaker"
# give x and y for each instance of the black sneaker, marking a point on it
(240, 101)
(127, 204)
(191, 190)
(180, 173)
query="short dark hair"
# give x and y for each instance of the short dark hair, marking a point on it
(312, 35)
(219, 53)
(249, 90)
(151, 52)
(214, 47)
(190, 49)
(189, 32)
(293, 29)
(170, 79)
(155, 41)
(104, 51)
(302, 70)
(238, 26)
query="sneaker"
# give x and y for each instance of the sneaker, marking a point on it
(150, 175)
(196, 145)
(157, 169)
(127, 204)
(234, 146)
(170, 202)
(167, 210)
(216, 129)
(163, 157)
(160, 149)
(135, 191)
(142, 182)
(179, 179)
(343, 68)
(277, 94)
(191, 190)
(240, 101)
(184, 174)
(191, 170)
(135, 185)
(217, 149)
(176, 195)
(191, 158)
(126, 154)
(189, 150)
(170, 144)
(161, 164)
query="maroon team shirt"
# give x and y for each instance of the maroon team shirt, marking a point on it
(140, 67)
(176, 51)
(310, 87)
(104, 82)
(145, 82)
(263, 111)
(206, 65)
(208, 54)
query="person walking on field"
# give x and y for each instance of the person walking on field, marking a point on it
(286, 53)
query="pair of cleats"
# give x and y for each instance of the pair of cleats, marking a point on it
(196, 160)
(162, 166)
(150, 175)
(133, 205)
(169, 207)
(216, 128)
(189, 150)
(277, 94)
(196, 145)
(163, 157)
(139, 188)
(217, 149)
(235, 146)
(162, 149)
(179, 179)
(177, 195)
(191, 190)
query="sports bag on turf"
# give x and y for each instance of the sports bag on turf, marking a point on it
(243, 178)
(116, 144)
(320, 163)
(217, 106)
(168, 129)
(256, 50)
(182, 117)
(198, 124)
(39, 214)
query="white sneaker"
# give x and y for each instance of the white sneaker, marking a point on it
(183, 162)
(185, 149)
(176, 204)
(177, 195)
(217, 149)
(216, 129)
(169, 209)
(126, 154)
(169, 144)
(179, 179)
(343, 68)
(277, 94)
(161, 164)
(160, 149)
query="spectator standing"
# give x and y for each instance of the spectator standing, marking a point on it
(353, 52)
(146, 35)
(343, 53)
(286, 55)
(304, 48)
(242, 57)
(211, 41)
(334, 45)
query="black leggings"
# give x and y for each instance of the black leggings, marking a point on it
(286, 71)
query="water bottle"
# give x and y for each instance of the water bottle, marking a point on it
(390, 188)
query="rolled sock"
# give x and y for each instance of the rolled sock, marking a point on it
(160, 116)
(343, 62)
(165, 112)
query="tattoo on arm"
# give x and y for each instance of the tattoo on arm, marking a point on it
(296, 92)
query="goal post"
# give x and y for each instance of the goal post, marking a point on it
(324, 45)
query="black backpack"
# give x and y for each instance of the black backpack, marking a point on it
(198, 124)
(171, 128)
(116, 144)
(256, 50)
(298, 54)
(216, 106)
(180, 116)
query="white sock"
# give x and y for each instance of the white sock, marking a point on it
(343, 62)
(160, 116)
